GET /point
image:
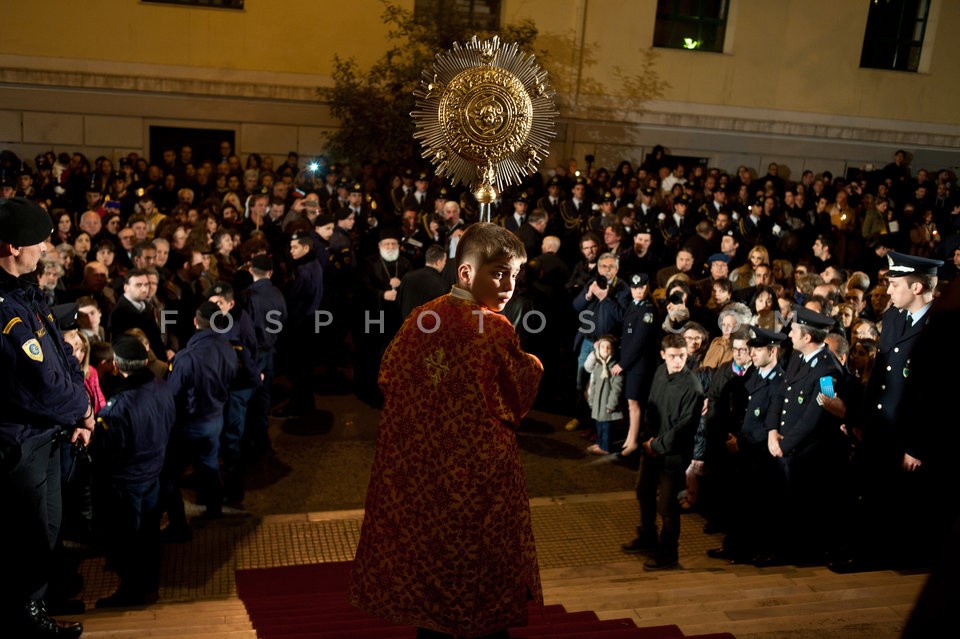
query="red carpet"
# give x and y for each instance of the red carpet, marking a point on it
(310, 602)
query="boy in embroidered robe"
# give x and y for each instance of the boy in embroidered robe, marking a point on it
(447, 543)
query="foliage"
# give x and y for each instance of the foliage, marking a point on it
(374, 107)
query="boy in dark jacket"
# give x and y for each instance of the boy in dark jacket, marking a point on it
(671, 420)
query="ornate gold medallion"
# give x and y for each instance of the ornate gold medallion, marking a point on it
(484, 115)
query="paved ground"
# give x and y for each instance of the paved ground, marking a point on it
(323, 462)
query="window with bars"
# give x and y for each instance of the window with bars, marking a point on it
(894, 34)
(479, 14)
(696, 25)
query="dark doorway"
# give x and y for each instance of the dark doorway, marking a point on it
(204, 142)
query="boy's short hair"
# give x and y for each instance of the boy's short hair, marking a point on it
(484, 242)
(673, 340)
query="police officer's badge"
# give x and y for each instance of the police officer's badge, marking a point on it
(756, 412)
(32, 348)
(800, 399)
(648, 318)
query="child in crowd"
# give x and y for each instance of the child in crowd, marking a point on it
(447, 543)
(605, 393)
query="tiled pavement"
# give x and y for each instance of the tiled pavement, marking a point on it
(571, 531)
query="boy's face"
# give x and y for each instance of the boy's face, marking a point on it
(675, 359)
(491, 283)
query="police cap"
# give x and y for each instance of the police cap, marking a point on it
(344, 213)
(65, 315)
(129, 348)
(522, 196)
(356, 187)
(649, 191)
(553, 181)
(806, 317)
(22, 222)
(639, 279)
(324, 219)
(763, 337)
(901, 265)
(608, 197)
(683, 198)
(219, 289)
(207, 309)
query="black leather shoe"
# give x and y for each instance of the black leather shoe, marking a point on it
(660, 563)
(36, 624)
(640, 546)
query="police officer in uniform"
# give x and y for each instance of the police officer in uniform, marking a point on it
(638, 355)
(268, 310)
(888, 465)
(133, 430)
(807, 442)
(755, 471)
(44, 396)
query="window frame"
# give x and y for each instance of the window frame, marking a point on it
(901, 45)
(681, 21)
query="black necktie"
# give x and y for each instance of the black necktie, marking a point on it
(908, 324)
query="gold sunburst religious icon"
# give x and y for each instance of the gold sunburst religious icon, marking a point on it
(484, 115)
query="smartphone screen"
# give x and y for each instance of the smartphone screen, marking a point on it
(826, 386)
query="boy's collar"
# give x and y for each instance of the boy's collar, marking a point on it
(463, 294)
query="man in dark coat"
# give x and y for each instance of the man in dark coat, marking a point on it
(807, 442)
(132, 435)
(423, 284)
(304, 296)
(200, 378)
(44, 399)
(755, 472)
(890, 464)
(134, 311)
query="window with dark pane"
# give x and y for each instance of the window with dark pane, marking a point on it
(697, 25)
(479, 14)
(894, 35)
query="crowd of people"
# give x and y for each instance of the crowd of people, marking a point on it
(184, 287)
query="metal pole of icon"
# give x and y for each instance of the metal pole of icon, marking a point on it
(484, 116)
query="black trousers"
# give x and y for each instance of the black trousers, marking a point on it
(31, 505)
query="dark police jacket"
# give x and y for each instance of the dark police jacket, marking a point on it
(889, 374)
(243, 338)
(639, 343)
(200, 377)
(794, 411)
(305, 292)
(760, 393)
(133, 429)
(268, 311)
(40, 381)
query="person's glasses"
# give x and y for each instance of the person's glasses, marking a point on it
(741, 350)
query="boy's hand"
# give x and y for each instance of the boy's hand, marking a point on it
(616, 369)
(390, 296)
